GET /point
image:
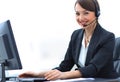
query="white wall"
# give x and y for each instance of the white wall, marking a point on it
(110, 15)
(42, 28)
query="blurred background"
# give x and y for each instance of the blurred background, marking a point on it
(42, 28)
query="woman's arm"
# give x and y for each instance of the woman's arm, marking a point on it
(53, 74)
(32, 74)
(56, 74)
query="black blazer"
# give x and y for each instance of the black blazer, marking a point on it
(99, 61)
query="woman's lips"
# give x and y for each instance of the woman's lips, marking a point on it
(83, 24)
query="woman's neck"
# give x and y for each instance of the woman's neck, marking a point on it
(89, 30)
(88, 33)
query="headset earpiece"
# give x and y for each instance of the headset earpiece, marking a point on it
(97, 8)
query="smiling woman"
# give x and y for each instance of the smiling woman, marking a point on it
(41, 28)
(90, 48)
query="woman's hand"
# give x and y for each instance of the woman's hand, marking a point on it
(28, 74)
(32, 74)
(56, 74)
(49, 75)
(53, 75)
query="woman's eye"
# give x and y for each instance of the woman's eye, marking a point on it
(85, 13)
(77, 13)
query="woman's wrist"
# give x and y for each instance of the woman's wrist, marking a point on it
(71, 74)
(40, 74)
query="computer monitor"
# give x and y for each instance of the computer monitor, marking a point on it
(9, 56)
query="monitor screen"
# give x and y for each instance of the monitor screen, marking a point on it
(9, 56)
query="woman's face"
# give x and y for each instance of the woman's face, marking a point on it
(83, 16)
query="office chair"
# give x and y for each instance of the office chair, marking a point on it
(116, 55)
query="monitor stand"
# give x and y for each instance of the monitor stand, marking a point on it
(2, 72)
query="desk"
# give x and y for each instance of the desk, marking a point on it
(71, 80)
(88, 80)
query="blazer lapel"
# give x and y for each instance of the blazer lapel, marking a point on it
(93, 44)
(78, 46)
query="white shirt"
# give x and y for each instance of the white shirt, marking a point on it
(83, 53)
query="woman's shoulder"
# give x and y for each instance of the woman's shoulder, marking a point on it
(77, 32)
(104, 32)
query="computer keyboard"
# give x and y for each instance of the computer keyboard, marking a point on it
(17, 79)
(32, 79)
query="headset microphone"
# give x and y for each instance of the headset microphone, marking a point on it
(89, 23)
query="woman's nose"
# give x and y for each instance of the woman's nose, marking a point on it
(80, 17)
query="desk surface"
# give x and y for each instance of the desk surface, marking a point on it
(68, 80)
(88, 80)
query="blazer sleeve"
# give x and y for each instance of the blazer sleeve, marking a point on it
(68, 62)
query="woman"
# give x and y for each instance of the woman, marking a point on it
(90, 48)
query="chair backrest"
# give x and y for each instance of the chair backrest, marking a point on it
(116, 55)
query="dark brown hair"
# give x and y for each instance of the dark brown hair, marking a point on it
(90, 5)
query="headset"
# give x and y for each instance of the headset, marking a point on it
(97, 8)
